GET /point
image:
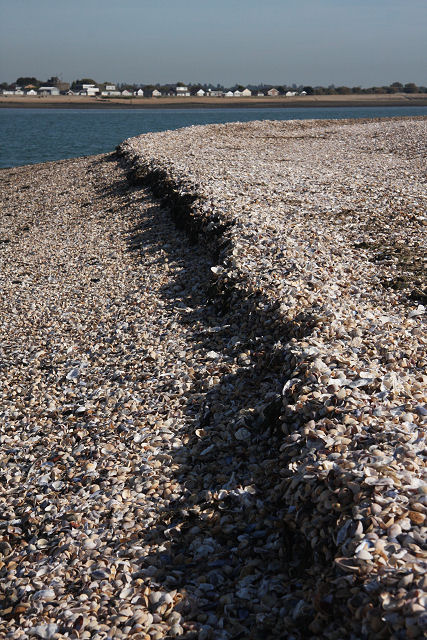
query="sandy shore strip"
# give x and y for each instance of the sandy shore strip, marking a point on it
(213, 356)
(195, 102)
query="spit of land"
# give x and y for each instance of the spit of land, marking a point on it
(213, 386)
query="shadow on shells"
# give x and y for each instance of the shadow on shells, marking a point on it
(230, 541)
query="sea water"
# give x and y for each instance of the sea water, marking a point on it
(29, 136)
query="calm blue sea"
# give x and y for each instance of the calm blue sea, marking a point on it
(28, 136)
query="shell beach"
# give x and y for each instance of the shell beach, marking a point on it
(214, 386)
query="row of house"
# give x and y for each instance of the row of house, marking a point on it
(245, 93)
(111, 91)
(26, 91)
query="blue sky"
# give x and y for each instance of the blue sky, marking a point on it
(351, 42)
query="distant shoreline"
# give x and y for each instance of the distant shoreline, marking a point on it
(194, 102)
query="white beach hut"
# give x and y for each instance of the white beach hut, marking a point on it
(156, 93)
(200, 93)
(49, 91)
(246, 93)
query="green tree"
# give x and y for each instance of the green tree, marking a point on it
(24, 81)
(410, 87)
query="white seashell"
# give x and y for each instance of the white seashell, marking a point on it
(45, 631)
(419, 311)
(73, 374)
(212, 355)
(45, 594)
(217, 269)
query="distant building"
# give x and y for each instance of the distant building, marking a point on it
(229, 94)
(215, 94)
(91, 89)
(246, 93)
(111, 94)
(156, 93)
(49, 91)
(31, 92)
(182, 91)
(273, 92)
(126, 93)
(110, 87)
(290, 94)
(260, 94)
(139, 93)
(237, 93)
(200, 93)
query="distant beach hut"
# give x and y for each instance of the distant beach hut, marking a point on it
(246, 93)
(31, 92)
(156, 93)
(49, 91)
(237, 93)
(273, 92)
(229, 94)
(260, 94)
(290, 94)
(200, 93)
(139, 93)
(126, 93)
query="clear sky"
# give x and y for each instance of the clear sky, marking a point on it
(312, 42)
